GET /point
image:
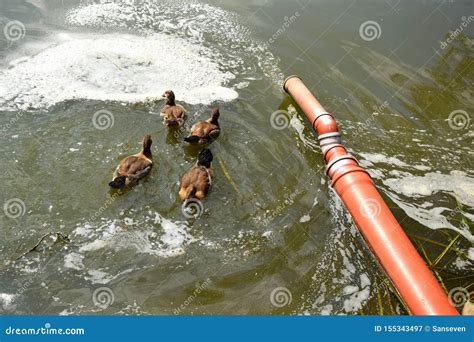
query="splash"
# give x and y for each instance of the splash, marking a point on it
(231, 43)
(129, 234)
(135, 50)
(112, 67)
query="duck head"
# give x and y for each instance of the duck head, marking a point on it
(169, 96)
(215, 115)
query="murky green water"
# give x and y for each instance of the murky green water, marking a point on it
(273, 237)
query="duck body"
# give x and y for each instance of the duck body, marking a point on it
(197, 182)
(174, 115)
(206, 131)
(133, 168)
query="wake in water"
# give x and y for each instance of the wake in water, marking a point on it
(197, 50)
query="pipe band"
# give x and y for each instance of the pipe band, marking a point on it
(355, 169)
(338, 159)
(319, 116)
(329, 138)
(331, 147)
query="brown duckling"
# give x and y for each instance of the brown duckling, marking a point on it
(205, 131)
(133, 168)
(198, 180)
(173, 114)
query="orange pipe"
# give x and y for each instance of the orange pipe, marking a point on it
(402, 263)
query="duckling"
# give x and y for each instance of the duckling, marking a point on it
(133, 168)
(173, 114)
(198, 180)
(205, 131)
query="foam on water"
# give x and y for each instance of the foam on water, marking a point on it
(350, 278)
(6, 300)
(116, 67)
(231, 42)
(457, 183)
(376, 158)
(200, 51)
(154, 235)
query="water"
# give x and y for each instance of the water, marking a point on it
(273, 238)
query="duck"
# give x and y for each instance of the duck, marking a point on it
(174, 115)
(134, 167)
(205, 131)
(197, 181)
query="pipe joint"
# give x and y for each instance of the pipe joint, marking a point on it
(329, 139)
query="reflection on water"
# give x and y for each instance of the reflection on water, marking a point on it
(271, 223)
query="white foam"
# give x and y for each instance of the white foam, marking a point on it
(222, 32)
(356, 300)
(139, 49)
(305, 218)
(115, 67)
(375, 158)
(99, 277)
(142, 235)
(231, 44)
(74, 261)
(6, 299)
(457, 183)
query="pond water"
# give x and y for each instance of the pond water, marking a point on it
(272, 237)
